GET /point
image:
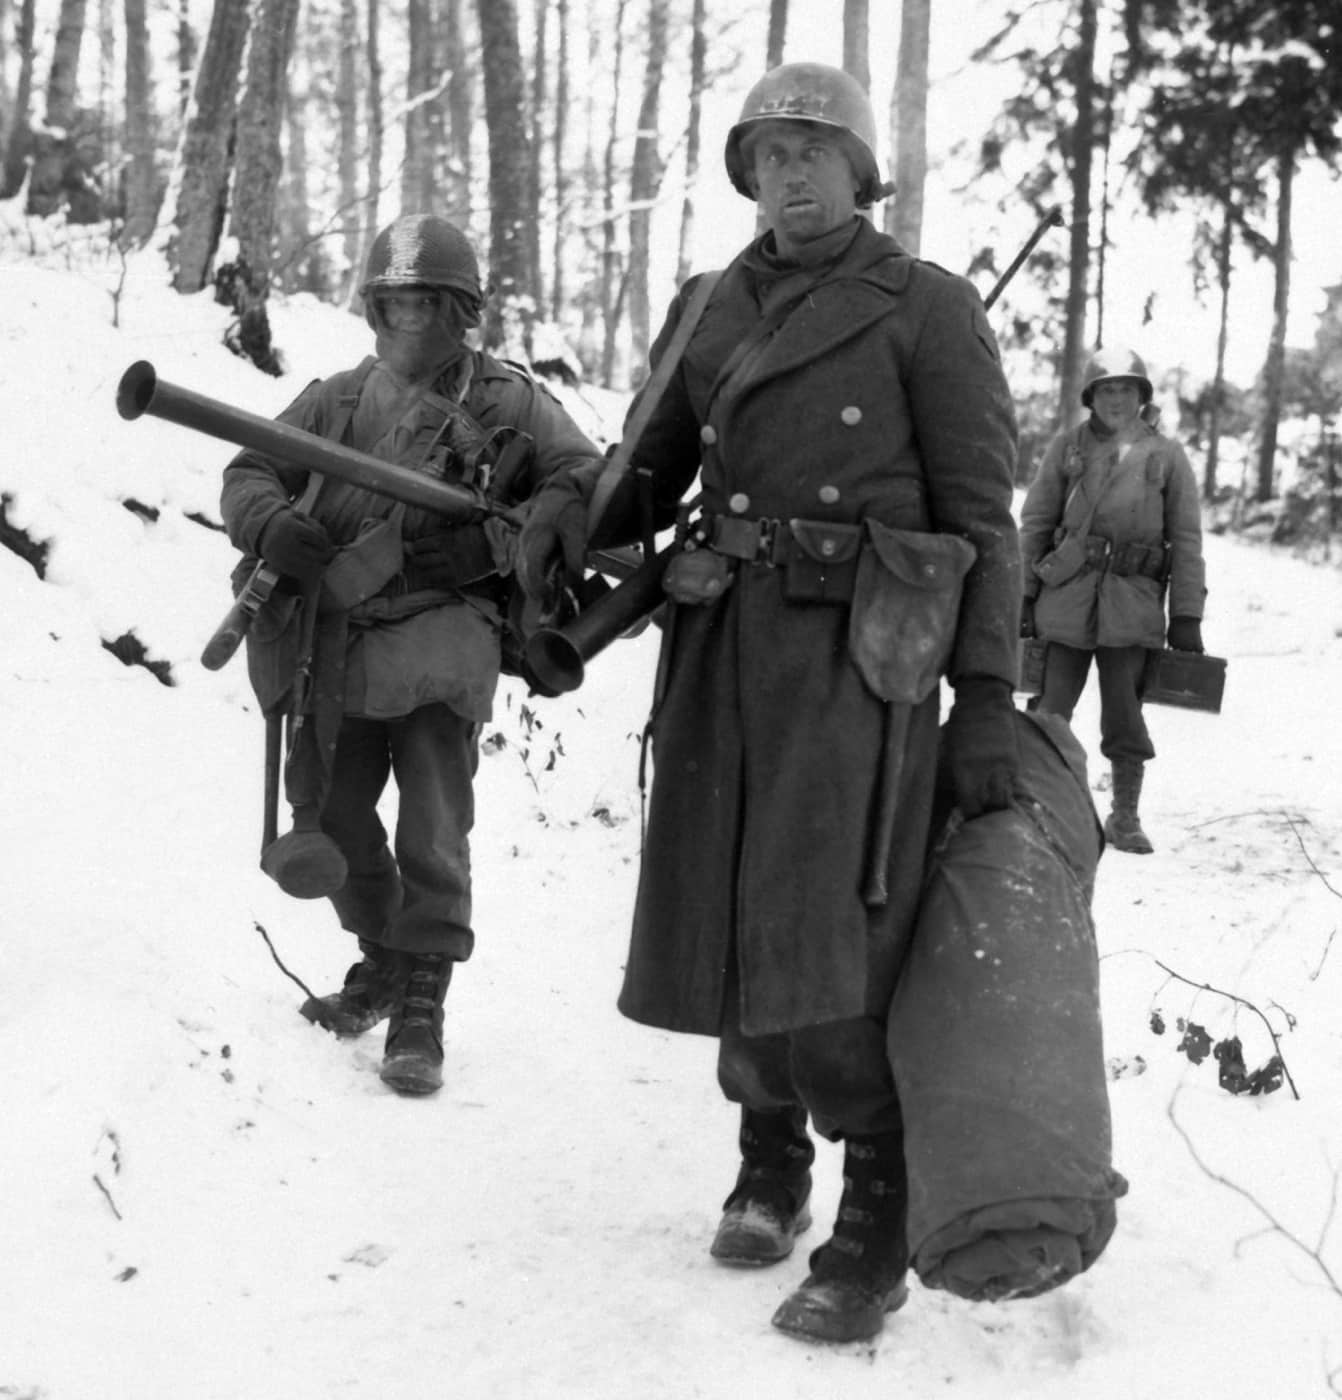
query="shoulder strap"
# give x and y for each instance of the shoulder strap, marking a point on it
(618, 464)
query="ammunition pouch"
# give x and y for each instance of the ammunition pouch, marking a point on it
(906, 607)
(822, 562)
(1076, 554)
(364, 567)
(818, 557)
(1063, 562)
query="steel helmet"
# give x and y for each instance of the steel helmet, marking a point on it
(421, 250)
(1114, 362)
(812, 92)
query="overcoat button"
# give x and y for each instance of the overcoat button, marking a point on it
(851, 416)
(827, 547)
(708, 435)
(829, 494)
(739, 502)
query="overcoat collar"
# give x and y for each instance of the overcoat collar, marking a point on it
(861, 280)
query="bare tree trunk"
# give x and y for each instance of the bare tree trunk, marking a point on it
(1079, 173)
(186, 56)
(347, 154)
(610, 295)
(246, 283)
(644, 182)
(856, 41)
(693, 137)
(304, 264)
(20, 139)
(1274, 365)
(142, 188)
(1223, 252)
(592, 197)
(904, 213)
(776, 41)
(53, 150)
(373, 196)
(456, 194)
(6, 97)
(539, 97)
(562, 182)
(207, 152)
(417, 182)
(1102, 244)
(513, 308)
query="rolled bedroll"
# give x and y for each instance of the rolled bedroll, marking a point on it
(996, 1045)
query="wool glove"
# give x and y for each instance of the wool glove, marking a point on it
(432, 561)
(1027, 627)
(982, 750)
(553, 537)
(1185, 634)
(295, 544)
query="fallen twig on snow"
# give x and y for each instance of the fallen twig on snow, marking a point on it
(292, 976)
(98, 1182)
(1239, 1001)
(1312, 1252)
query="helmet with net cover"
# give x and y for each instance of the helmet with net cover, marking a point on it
(422, 250)
(1114, 362)
(811, 92)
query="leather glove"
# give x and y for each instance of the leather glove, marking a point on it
(1027, 627)
(296, 544)
(1185, 634)
(554, 538)
(982, 749)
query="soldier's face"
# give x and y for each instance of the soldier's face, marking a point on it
(416, 329)
(803, 182)
(1117, 403)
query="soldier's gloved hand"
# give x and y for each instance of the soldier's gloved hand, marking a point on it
(1185, 634)
(432, 561)
(1027, 627)
(553, 541)
(982, 750)
(295, 544)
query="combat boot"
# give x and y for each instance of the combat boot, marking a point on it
(857, 1275)
(1122, 827)
(767, 1208)
(371, 993)
(413, 1059)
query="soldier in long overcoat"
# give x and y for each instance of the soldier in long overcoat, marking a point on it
(1111, 536)
(845, 409)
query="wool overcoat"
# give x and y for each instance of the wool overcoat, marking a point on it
(1145, 496)
(877, 395)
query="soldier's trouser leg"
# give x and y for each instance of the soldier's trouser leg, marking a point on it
(435, 754)
(419, 901)
(839, 1071)
(1123, 731)
(1065, 671)
(372, 891)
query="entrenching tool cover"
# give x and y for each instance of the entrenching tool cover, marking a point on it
(995, 1041)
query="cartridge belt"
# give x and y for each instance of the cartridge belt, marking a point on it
(764, 540)
(1103, 556)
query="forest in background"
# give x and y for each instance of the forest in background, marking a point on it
(256, 146)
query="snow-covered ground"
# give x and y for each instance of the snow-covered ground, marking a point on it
(202, 1197)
